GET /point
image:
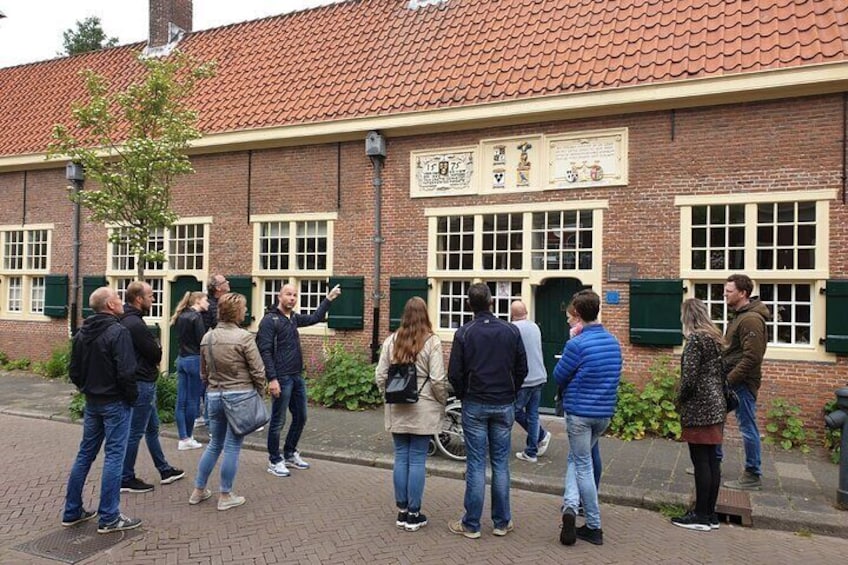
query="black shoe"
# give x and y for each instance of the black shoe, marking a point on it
(592, 535)
(692, 521)
(171, 475)
(714, 521)
(119, 525)
(415, 520)
(401, 519)
(568, 534)
(86, 515)
(135, 485)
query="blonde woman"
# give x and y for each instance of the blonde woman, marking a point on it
(231, 367)
(702, 410)
(412, 425)
(188, 322)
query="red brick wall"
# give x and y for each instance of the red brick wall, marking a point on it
(775, 146)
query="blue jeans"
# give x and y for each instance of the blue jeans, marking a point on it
(487, 429)
(189, 388)
(408, 472)
(144, 422)
(293, 396)
(527, 416)
(221, 438)
(109, 422)
(746, 417)
(583, 434)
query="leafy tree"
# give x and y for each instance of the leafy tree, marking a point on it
(132, 144)
(89, 36)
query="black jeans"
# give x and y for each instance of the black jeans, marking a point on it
(707, 477)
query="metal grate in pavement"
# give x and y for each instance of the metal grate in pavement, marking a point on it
(735, 503)
(70, 545)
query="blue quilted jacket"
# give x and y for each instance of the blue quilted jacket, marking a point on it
(589, 370)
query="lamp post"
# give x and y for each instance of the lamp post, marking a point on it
(75, 173)
(375, 149)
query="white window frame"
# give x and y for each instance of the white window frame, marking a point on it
(527, 276)
(28, 274)
(292, 274)
(815, 277)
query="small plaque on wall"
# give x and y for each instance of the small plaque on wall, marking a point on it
(447, 172)
(588, 159)
(622, 272)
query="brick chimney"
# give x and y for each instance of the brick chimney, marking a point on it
(167, 19)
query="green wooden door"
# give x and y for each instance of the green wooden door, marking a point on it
(552, 298)
(179, 287)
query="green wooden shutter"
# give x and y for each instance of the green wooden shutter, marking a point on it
(243, 284)
(400, 291)
(56, 296)
(89, 285)
(655, 312)
(836, 326)
(348, 310)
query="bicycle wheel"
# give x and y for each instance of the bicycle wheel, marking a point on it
(450, 440)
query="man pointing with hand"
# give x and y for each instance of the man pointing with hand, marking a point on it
(279, 345)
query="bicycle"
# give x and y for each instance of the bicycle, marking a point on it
(450, 441)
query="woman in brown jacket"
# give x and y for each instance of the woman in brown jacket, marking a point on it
(412, 425)
(230, 366)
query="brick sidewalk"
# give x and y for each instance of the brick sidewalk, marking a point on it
(339, 513)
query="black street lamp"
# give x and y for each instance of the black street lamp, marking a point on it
(75, 173)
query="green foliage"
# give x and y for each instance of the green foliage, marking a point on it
(21, 364)
(77, 406)
(832, 438)
(88, 36)
(650, 411)
(4, 359)
(56, 367)
(166, 396)
(133, 145)
(784, 427)
(347, 381)
(671, 510)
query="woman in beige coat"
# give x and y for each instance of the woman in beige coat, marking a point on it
(412, 425)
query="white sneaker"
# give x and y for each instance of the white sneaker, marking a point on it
(524, 457)
(278, 469)
(186, 444)
(295, 461)
(544, 444)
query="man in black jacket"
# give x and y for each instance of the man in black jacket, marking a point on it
(103, 368)
(145, 417)
(488, 364)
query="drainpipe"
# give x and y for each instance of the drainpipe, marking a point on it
(375, 149)
(74, 172)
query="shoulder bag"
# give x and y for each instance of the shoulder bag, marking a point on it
(730, 396)
(244, 414)
(401, 384)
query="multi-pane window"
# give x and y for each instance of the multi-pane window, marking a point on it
(562, 240)
(791, 312)
(712, 295)
(184, 246)
(455, 243)
(452, 310)
(24, 263)
(156, 284)
(274, 246)
(294, 245)
(503, 239)
(310, 293)
(786, 235)
(503, 295)
(311, 245)
(718, 237)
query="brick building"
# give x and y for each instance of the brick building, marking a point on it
(646, 149)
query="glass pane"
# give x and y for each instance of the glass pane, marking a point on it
(737, 214)
(785, 236)
(717, 292)
(736, 259)
(699, 259)
(807, 235)
(717, 237)
(786, 212)
(806, 259)
(701, 291)
(586, 240)
(765, 259)
(717, 215)
(699, 216)
(717, 260)
(570, 220)
(802, 334)
(538, 221)
(806, 211)
(716, 311)
(586, 219)
(784, 292)
(784, 334)
(736, 237)
(765, 236)
(785, 259)
(699, 237)
(765, 213)
(766, 292)
(802, 293)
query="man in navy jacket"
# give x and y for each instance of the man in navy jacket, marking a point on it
(279, 345)
(589, 371)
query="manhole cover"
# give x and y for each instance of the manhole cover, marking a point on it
(74, 544)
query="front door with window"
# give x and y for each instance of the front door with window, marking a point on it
(552, 298)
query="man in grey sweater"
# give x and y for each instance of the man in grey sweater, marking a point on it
(530, 395)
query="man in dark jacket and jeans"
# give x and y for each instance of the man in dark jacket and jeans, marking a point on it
(103, 368)
(279, 345)
(145, 417)
(488, 365)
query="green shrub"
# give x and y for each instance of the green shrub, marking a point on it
(832, 438)
(347, 381)
(650, 411)
(784, 427)
(4, 359)
(77, 406)
(22, 364)
(56, 367)
(166, 396)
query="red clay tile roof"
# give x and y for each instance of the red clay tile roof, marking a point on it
(376, 57)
